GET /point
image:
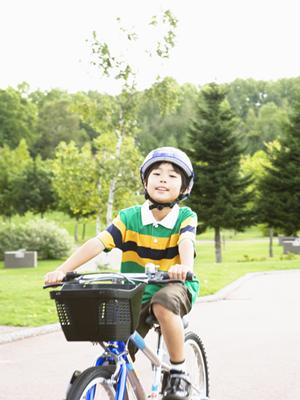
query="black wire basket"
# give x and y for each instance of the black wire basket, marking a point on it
(98, 312)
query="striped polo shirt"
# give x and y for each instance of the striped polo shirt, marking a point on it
(144, 240)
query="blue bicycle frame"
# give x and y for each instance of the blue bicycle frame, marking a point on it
(125, 368)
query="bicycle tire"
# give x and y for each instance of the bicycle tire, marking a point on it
(94, 376)
(196, 364)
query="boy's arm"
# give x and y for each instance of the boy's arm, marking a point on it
(186, 250)
(186, 254)
(83, 254)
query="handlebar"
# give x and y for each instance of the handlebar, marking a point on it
(96, 277)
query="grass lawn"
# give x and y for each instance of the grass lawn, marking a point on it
(23, 302)
(239, 258)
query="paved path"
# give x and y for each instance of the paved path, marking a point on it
(252, 339)
(251, 335)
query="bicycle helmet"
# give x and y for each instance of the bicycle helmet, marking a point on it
(174, 156)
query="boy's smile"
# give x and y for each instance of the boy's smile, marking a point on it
(162, 189)
(164, 183)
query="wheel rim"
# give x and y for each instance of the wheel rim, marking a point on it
(98, 389)
(196, 367)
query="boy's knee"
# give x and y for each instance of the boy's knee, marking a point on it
(160, 311)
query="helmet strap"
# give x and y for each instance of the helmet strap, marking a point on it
(160, 206)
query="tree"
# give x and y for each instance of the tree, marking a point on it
(279, 201)
(264, 127)
(245, 94)
(75, 181)
(96, 112)
(122, 170)
(12, 164)
(167, 128)
(18, 117)
(220, 195)
(32, 189)
(119, 69)
(57, 123)
(256, 165)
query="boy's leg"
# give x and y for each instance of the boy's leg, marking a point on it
(173, 332)
(169, 305)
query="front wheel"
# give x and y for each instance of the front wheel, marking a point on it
(196, 365)
(93, 384)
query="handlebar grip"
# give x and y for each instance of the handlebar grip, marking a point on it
(189, 276)
(52, 285)
(71, 275)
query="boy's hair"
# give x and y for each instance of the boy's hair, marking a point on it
(178, 170)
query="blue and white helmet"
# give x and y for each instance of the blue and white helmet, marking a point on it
(172, 155)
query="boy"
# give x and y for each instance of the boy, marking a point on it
(162, 233)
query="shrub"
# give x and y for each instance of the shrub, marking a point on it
(288, 256)
(45, 237)
(247, 258)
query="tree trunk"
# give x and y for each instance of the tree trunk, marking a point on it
(83, 231)
(223, 241)
(112, 188)
(76, 231)
(110, 201)
(271, 242)
(218, 246)
(98, 225)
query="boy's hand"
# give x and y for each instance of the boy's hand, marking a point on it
(54, 277)
(179, 271)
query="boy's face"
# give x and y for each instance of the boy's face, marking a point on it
(164, 183)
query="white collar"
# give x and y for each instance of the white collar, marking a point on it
(168, 222)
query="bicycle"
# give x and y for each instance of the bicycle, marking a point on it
(113, 301)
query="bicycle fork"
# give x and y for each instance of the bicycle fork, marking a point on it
(156, 360)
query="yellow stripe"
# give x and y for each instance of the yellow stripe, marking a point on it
(120, 225)
(152, 242)
(192, 221)
(164, 264)
(106, 239)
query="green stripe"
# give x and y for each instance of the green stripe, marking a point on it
(130, 266)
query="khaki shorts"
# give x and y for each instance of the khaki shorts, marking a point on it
(174, 296)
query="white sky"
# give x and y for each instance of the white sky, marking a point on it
(43, 42)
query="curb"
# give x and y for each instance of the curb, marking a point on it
(27, 333)
(227, 290)
(221, 295)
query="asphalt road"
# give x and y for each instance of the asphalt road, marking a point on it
(251, 338)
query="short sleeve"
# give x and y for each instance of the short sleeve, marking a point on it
(113, 235)
(188, 228)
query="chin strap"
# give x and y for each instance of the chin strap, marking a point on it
(160, 206)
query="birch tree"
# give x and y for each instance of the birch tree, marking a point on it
(117, 67)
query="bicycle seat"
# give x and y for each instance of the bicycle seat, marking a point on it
(151, 321)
